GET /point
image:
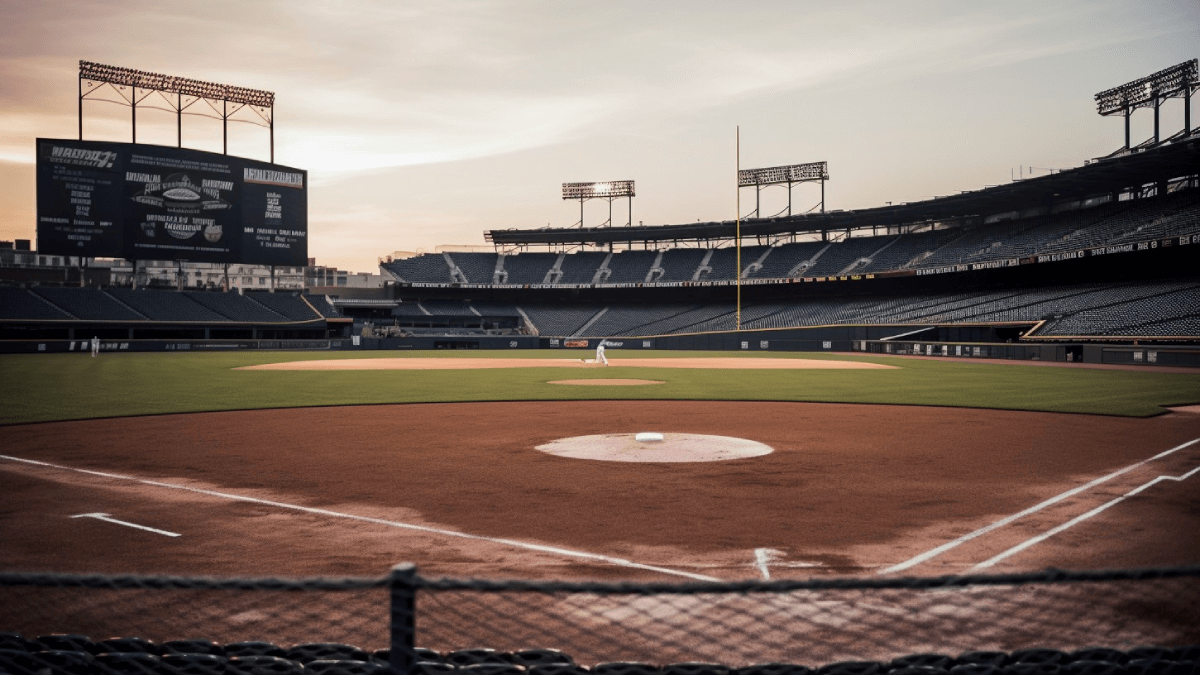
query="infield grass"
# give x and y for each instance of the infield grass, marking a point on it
(48, 387)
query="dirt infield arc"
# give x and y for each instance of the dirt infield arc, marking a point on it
(461, 490)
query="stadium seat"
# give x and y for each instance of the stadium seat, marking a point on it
(1086, 667)
(1026, 668)
(66, 662)
(934, 660)
(1188, 653)
(191, 647)
(326, 651)
(918, 670)
(1147, 652)
(540, 657)
(774, 669)
(1158, 667)
(11, 640)
(196, 664)
(557, 669)
(470, 657)
(492, 669)
(126, 645)
(975, 669)
(431, 668)
(132, 663)
(344, 667)
(1040, 656)
(262, 665)
(1099, 654)
(254, 648)
(70, 643)
(695, 669)
(421, 654)
(852, 668)
(625, 668)
(982, 657)
(19, 662)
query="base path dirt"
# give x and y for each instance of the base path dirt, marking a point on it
(461, 490)
(469, 364)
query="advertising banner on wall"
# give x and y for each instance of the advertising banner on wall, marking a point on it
(149, 202)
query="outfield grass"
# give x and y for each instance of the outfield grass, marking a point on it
(46, 387)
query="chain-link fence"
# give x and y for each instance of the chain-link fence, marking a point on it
(735, 624)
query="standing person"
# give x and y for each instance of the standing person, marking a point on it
(600, 358)
(95, 345)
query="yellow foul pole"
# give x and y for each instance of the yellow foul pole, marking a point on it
(738, 243)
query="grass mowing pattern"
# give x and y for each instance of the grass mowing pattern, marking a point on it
(49, 387)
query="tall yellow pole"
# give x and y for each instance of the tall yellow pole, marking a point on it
(738, 243)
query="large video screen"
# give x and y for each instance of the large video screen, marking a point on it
(151, 202)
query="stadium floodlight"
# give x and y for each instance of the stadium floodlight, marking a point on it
(793, 173)
(607, 190)
(610, 190)
(129, 77)
(784, 175)
(1150, 91)
(99, 74)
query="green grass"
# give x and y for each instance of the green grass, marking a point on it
(48, 387)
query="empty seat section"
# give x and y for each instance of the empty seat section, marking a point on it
(430, 268)
(165, 305)
(580, 268)
(18, 303)
(478, 268)
(289, 305)
(630, 267)
(839, 256)
(90, 304)
(528, 268)
(785, 258)
(235, 307)
(680, 264)
(559, 321)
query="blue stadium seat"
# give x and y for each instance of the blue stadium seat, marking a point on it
(254, 648)
(126, 645)
(557, 669)
(540, 657)
(1040, 656)
(917, 670)
(196, 664)
(432, 668)
(975, 669)
(470, 657)
(1088, 667)
(1099, 654)
(492, 669)
(934, 660)
(625, 668)
(420, 654)
(132, 663)
(344, 667)
(13, 640)
(1027, 668)
(191, 647)
(1160, 667)
(67, 662)
(852, 668)
(326, 651)
(774, 669)
(19, 662)
(262, 665)
(695, 669)
(70, 643)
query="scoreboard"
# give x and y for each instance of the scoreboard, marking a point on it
(150, 202)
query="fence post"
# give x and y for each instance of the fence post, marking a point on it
(402, 584)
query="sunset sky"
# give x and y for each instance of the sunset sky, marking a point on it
(424, 124)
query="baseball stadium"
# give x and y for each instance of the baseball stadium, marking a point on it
(957, 436)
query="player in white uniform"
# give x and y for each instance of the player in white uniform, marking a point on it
(95, 345)
(600, 358)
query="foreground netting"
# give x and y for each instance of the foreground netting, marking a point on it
(734, 624)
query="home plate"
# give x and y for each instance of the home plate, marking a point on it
(648, 446)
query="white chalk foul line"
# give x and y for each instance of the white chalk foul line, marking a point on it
(568, 553)
(934, 552)
(105, 517)
(1079, 519)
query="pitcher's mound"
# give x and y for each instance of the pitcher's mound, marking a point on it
(672, 448)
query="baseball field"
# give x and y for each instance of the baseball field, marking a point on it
(322, 463)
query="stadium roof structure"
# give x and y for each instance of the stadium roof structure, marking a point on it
(1107, 176)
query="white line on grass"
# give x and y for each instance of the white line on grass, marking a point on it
(1079, 519)
(380, 521)
(933, 553)
(107, 519)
